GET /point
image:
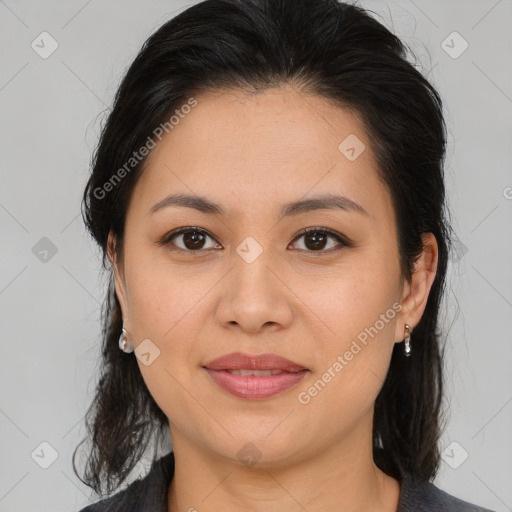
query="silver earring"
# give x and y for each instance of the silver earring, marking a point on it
(407, 339)
(124, 344)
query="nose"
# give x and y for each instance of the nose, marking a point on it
(254, 296)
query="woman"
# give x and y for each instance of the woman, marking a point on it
(268, 192)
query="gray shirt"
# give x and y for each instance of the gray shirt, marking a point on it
(149, 494)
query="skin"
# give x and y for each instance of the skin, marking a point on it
(252, 154)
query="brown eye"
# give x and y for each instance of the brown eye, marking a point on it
(192, 239)
(317, 239)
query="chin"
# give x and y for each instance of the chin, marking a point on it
(259, 451)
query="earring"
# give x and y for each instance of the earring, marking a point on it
(124, 344)
(407, 339)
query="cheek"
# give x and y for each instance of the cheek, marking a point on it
(164, 299)
(352, 367)
(165, 306)
(346, 301)
(355, 336)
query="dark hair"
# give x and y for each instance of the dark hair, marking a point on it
(323, 47)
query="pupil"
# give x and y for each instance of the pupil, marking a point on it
(193, 238)
(316, 237)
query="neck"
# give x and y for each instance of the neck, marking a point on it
(342, 477)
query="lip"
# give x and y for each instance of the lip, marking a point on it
(254, 387)
(241, 361)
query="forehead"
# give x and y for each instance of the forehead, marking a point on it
(276, 145)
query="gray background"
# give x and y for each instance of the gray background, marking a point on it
(51, 110)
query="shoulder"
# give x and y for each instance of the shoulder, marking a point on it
(147, 493)
(421, 496)
(111, 504)
(127, 500)
(115, 503)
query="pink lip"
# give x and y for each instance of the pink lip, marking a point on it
(240, 361)
(252, 386)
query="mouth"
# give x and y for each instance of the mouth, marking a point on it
(238, 361)
(256, 373)
(255, 376)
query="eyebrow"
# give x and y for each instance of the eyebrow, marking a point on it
(204, 205)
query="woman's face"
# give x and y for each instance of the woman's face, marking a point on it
(249, 283)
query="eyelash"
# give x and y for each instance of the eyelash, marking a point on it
(343, 242)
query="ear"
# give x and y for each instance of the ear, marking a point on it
(118, 273)
(416, 292)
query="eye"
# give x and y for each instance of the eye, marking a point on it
(316, 239)
(194, 239)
